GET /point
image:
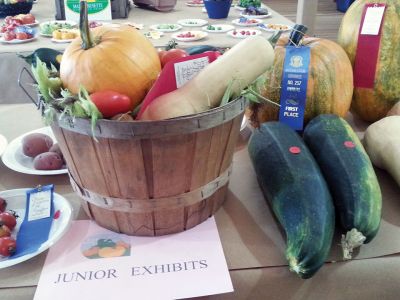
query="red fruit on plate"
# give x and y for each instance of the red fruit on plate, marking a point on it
(28, 19)
(4, 231)
(8, 218)
(9, 36)
(8, 246)
(21, 35)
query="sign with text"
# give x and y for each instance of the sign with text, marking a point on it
(97, 10)
(91, 262)
(294, 86)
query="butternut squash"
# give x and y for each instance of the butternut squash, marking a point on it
(382, 143)
(239, 66)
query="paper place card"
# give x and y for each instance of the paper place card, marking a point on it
(186, 70)
(91, 262)
(373, 19)
(39, 204)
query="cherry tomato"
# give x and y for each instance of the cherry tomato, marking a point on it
(9, 219)
(172, 55)
(4, 231)
(3, 204)
(28, 19)
(8, 246)
(21, 35)
(111, 103)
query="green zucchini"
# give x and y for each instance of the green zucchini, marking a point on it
(298, 194)
(46, 55)
(200, 49)
(350, 177)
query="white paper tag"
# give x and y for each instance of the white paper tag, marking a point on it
(186, 70)
(39, 205)
(373, 20)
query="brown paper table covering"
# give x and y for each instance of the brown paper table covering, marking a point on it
(252, 241)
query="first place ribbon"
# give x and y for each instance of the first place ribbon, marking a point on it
(369, 38)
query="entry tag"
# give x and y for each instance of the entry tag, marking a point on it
(35, 228)
(373, 20)
(186, 70)
(369, 39)
(39, 203)
(294, 86)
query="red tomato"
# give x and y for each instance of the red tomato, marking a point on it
(4, 231)
(21, 35)
(3, 204)
(161, 54)
(28, 19)
(8, 36)
(111, 103)
(9, 219)
(172, 55)
(8, 245)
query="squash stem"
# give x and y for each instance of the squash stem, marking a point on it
(353, 239)
(87, 40)
(275, 37)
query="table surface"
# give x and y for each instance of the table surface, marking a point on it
(252, 242)
(44, 10)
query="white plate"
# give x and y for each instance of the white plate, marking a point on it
(16, 41)
(16, 200)
(73, 24)
(224, 28)
(61, 41)
(3, 144)
(266, 28)
(243, 36)
(17, 161)
(192, 4)
(237, 22)
(36, 23)
(192, 22)
(198, 36)
(155, 35)
(175, 28)
(256, 16)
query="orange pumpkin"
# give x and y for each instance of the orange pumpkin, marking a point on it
(329, 88)
(110, 57)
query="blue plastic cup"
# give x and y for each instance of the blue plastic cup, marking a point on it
(217, 9)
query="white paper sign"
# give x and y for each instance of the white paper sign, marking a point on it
(186, 70)
(98, 10)
(39, 205)
(373, 20)
(93, 263)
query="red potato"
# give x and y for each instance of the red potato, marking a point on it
(36, 143)
(56, 148)
(9, 36)
(28, 19)
(48, 161)
(21, 35)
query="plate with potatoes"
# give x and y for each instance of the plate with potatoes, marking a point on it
(35, 153)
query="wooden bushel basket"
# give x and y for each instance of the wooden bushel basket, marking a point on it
(152, 178)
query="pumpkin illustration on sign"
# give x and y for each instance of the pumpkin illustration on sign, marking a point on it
(115, 58)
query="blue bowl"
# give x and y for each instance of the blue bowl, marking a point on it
(217, 9)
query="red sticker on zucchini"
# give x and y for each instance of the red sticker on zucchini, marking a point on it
(349, 144)
(294, 150)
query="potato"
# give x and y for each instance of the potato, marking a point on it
(48, 161)
(35, 143)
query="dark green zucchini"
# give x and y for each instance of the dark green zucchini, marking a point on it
(200, 49)
(350, 177)
(294, 186)
(46, 55)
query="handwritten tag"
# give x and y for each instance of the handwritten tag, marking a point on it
(186, 70)
(39, 204)
(373, 19)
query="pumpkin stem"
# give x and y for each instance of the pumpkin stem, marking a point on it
(297, 34)
(275, 37)
(86, 36)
